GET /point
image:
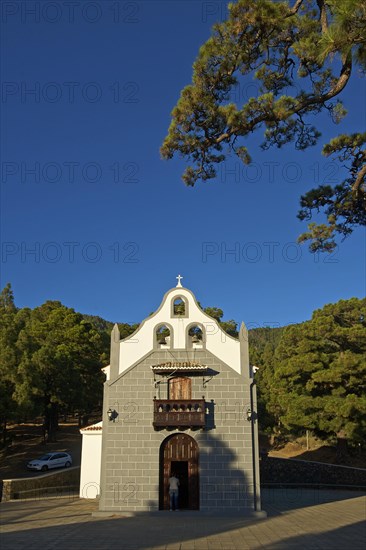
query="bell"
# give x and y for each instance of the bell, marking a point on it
(195, 339)
(162, 341)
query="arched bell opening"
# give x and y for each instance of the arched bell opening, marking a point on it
(179, 307)
(163, 336)
(196, 337)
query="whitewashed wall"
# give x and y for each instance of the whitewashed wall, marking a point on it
(141, 343)
(91, 453)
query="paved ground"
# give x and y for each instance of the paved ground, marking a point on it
(297, 519)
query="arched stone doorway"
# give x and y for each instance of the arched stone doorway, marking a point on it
(179, 453)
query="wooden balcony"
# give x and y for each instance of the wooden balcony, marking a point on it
(182, 413)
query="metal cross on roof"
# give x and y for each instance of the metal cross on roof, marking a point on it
(179, 279)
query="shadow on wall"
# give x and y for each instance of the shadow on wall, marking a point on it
(210, 415)
(222, 484)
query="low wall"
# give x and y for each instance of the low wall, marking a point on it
(60, 482)
(273, 471)
(289, 471)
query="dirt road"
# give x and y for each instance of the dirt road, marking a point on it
(28, 445)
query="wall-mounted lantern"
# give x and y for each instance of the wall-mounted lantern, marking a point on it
(112, 415)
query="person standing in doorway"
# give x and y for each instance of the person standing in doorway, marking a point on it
(173, 491)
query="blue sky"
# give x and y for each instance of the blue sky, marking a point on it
(90, 214)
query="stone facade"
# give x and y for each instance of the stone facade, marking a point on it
(133, 471)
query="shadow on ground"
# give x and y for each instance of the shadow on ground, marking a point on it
(277, 501)
(69, 524)
(344, 537)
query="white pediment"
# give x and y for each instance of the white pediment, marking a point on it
(143, 340)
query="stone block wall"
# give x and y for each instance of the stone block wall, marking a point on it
(60, 482)
(288, 471)
(130, 458)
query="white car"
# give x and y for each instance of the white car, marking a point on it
(50, 460)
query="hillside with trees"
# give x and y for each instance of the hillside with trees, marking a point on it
(316, 378)
(312, 375)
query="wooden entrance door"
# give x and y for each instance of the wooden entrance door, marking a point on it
(179, 454)
(180, 387)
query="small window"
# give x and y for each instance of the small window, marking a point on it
(45, 457)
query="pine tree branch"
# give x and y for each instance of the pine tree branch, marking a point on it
(298, 109)
(323, 15)
(360, 179)
(295, 8)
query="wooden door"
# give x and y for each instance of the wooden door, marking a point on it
(174, 450)
(180, 387)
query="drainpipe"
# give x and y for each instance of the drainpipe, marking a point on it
(255, 446)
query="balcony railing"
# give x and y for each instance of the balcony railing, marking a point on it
(182, 413)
